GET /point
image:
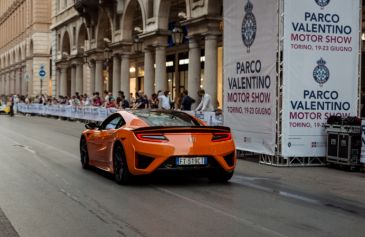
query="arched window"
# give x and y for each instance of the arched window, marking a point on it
(150, 8)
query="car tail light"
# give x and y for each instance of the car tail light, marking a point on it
(221, 136)
(152, 137)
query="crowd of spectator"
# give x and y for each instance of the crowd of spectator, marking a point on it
(159, 100)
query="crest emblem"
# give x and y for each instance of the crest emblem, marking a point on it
(321, 74)
(249, 26)
(192, 139)
(322, 3)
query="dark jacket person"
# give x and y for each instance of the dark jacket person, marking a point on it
(187, 101)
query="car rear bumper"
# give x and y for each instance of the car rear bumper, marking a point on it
(146, 157)
(225, 161)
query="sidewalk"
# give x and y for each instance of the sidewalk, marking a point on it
(321, 181)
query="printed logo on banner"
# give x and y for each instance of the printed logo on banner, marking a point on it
(249, 26)
(318, 144)
(321, 74)
(247, 139)
(322, 3)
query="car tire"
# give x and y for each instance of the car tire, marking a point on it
(84, 155)
(121, 172)
(220, 176)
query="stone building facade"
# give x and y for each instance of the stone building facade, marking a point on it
(133, 45)
(25, 46)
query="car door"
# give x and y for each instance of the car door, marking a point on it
(97, 141)
(107, 138)
(93, 146)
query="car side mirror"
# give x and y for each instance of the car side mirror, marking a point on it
(91, 126)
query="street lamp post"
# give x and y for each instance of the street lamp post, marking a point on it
(107, 53)
(177, 35)
(137, 46)
(42, 74)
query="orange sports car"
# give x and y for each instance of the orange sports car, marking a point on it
(130, 143)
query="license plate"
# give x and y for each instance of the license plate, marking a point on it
(186, 161)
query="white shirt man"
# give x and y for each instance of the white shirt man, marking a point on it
(206, 102)
(164, 101)
(87, 101)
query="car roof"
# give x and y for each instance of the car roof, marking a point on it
(132, 118)
(135, 113)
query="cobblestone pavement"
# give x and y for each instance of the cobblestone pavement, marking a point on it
(6, 229)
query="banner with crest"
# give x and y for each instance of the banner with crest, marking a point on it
(250, 56)
(321, 66)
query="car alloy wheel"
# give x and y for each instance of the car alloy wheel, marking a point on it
(84, 154)
(121, 172)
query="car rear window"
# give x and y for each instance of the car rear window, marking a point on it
(168, 118)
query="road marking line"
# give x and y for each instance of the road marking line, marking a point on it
(242, 180)
(39, 159)
(41, 143)
(298, 197)
(221, 212)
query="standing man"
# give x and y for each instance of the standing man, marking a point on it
(120, 95)
(141, 101)
(107, 96)
(187, 101)
(124, 104)
(206, 102)
(16, 101)
(165, 100)
(11, 113)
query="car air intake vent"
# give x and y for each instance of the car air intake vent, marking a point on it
(229, 159)
(142, 162)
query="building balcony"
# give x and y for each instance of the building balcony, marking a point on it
(85, 6)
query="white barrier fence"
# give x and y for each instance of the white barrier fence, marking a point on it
(68, 111)
(99, 113)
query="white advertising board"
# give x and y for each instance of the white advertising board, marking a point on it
(321, 47)
(250, 56)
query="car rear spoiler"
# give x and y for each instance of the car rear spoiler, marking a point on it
(177, 129)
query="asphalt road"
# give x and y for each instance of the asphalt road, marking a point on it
(45, 192)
